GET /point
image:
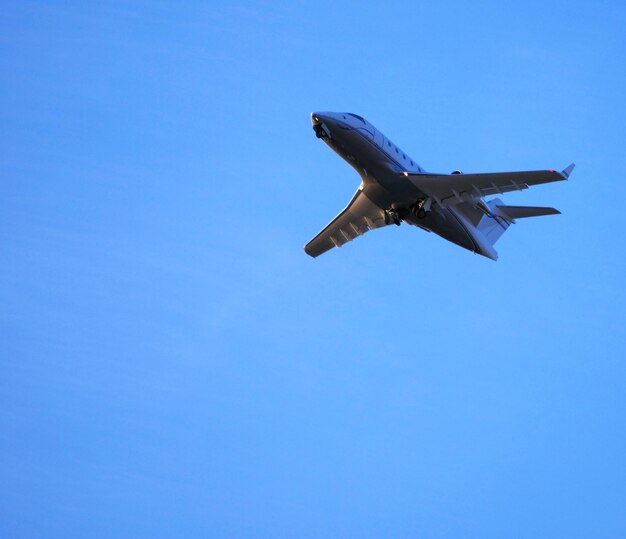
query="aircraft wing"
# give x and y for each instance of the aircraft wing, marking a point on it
(451, 189)
(359, 216)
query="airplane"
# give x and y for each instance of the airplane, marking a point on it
(395, 189)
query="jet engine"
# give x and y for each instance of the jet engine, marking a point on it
(456, 172)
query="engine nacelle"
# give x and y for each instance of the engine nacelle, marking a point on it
(456, 172)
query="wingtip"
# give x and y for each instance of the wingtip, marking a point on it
(566, 172)
(308, 250)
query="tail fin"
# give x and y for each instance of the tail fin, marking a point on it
(495, 224)
(502, 216)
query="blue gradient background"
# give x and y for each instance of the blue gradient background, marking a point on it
(173, 365)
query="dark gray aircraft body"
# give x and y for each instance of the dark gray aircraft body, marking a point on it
(395, 189)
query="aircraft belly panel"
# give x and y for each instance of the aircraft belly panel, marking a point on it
(445, 223)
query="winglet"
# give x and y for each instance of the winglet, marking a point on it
(568, 170)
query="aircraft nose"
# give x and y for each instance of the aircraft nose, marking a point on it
(316, 118)
(321, 125)
(322, 117)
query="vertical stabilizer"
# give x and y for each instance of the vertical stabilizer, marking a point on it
(495, 224)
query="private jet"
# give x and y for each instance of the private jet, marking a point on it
(395, 189)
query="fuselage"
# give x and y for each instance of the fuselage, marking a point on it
(381, 164)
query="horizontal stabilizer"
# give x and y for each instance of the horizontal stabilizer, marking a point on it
(518, 212)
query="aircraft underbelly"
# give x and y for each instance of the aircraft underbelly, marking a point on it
(443, 222)
(388, 189)
(446, 224)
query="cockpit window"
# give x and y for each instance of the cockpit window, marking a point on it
(357, 117)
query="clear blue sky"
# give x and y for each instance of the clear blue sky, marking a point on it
(173, 365)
